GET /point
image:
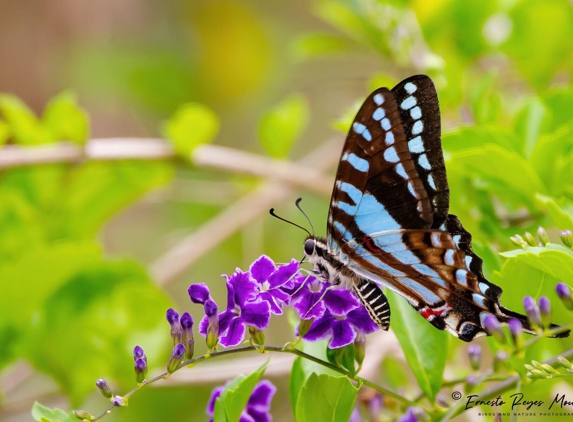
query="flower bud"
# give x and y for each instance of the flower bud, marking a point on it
(545, 311)
(537, 374)
(138, 353)
(257, 336)
(499, 360)
(543, 236)
(493, 328)
(564, 362)
(176, 358)
(211, 310)
(497, 417)
(567, 238)
(516, 330)
(528, 237)
(140, 370)
(188, 340)
(564, 293)
(119, 401)
(104, 388)
(474, 354)
(199, 293)
(173, 320)
(442, 401)
(304, 326)
(518, 241)
(532, 311)
(360, 348)
(83, 415)
(471, 383)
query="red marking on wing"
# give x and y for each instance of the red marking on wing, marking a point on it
(428, 312)
(367, 242)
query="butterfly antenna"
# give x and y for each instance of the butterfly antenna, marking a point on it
(303, 213)
(272, 212)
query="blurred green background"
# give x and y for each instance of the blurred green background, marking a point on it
(280, 79)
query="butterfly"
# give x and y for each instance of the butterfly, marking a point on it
(389, 226)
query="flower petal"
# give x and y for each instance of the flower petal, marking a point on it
(234, 334)
(262, 395)
(361, 321)
(284, 275)
(244, 288)
(340, 301)
(225, 320)
(273, 302)
(262, 268)
(321, 328)
(214, 395)
(245, 417)
(257, 416)
(257, 314)
(342, 334)
(203, 324)
(308, 305)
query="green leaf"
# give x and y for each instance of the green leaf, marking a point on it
(561, 218)
(192, 125)
(296, 381)
(65, 120)
(24, 126)
(109, 307)
(424, 346)
(234, 397)
(555, 260)
(326, 398)
(530, 122)
(281, 127)
(312, 45)
(45, 414)
(4, 132)
(343, 357)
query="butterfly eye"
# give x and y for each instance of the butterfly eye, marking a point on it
(309, 246)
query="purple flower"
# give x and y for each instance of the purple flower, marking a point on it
(545, 311)
(138, 353)
(273, 282)
(410, 416)
(258, 406)
(242, 308)
(187, 338)
(493, 328)
(312, 298)
(474, 354)
(343, 329)
(104, 388)
(199, 293)
(176, 358)
(140, 367)
(355, 417)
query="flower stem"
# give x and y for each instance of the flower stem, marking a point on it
(274, 349)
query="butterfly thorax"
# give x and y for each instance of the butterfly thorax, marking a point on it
(327, 264)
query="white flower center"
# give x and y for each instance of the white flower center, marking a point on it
(265, 287)
(315, 286)
(237, 310)
(340, 318)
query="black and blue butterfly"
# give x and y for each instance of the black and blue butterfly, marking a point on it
(389, 226)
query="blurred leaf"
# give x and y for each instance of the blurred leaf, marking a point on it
(109, 308)
(504, 173)
(45, 414)
(312, 45)
(281, 127)
(4, 132)
(559, 101)
(467, 137)
(539, 57)
(419, 340)
(326, 398)
(344, 122)
(296, 381)
(560, 218)
(192, 125)
(24, 126)
(233, 399)
(530, 122)
(66, 120)
(549, 159)
(393, 372)
(486, 101)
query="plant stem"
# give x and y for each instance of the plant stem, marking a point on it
(273, 349)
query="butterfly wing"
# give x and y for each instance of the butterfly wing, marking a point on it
(389, 221)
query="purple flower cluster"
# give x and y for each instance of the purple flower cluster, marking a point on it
(258, 406)
(325, 310)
